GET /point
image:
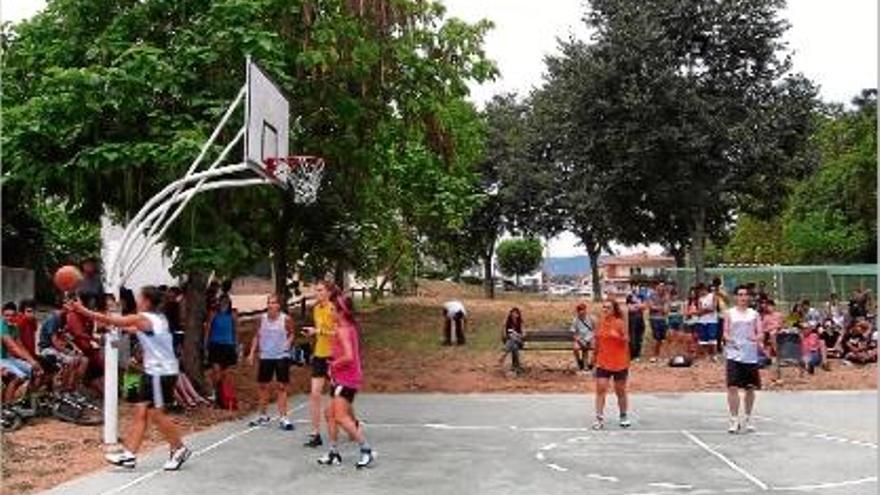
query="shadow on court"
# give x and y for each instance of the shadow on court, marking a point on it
(807, 442)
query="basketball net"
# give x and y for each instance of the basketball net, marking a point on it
(301, 173)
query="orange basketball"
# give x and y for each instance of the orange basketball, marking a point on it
(67, 277)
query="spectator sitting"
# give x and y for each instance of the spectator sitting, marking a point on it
(26, 321)
(582, 326)
(454, 315)
(858, 346)
(58, 353)
(772, 322)
(830, 335)
(512, 339)
(814, 350)
(15, 360)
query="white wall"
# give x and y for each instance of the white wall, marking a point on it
(154, 270)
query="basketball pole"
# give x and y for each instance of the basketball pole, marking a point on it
(151, 222)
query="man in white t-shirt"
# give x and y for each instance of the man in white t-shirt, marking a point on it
(707, 320)
(744, 338)
(454, 315)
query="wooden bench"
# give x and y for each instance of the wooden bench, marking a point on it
(548, 340)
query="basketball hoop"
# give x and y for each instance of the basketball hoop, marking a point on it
(301, 173)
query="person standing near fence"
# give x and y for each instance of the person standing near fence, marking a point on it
(658, 309)
(743, 336)
(636, 324)
(708, 321)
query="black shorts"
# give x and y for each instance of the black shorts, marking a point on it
(223, 355)
(743, 375)
(320, 367)
(618, 376)
(156, 391)
(279, 368)
(49, 364)
(659, 328)
(343, 391)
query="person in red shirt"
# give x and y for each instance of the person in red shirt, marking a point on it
(612, 362)
(26, 321)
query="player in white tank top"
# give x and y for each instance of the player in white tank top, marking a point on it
(273, 341)
(157, 383)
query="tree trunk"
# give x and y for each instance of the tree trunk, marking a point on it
(679, 254)
(339, 275)
(194, 318)
(488, 276)
(593, 253)
(279, 248)
(698, 244)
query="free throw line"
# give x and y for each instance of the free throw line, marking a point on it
(732, 465)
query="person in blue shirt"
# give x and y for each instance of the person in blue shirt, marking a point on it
(221, 341)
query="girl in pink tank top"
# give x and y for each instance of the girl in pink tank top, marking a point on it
(346, 379)
(346, 372)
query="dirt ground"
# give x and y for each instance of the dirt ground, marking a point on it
(402, 353)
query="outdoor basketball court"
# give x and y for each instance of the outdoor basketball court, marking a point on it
(816, 442)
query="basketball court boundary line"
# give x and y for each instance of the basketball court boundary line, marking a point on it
(204, 450)
(732, 465)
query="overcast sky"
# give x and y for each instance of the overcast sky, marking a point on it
(834, 43)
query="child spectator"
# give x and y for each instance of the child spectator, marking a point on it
(813, 348)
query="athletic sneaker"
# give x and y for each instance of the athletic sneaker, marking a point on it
(750, 427)
(259, 421)
(733, 426)
(652, 360)
(124, 459)
(178, 457)
(314, 441)
(366, 458)
(599, 424)
(624, 421)
(285, 424)
(332, 458)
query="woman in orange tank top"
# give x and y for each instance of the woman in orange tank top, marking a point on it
(612, 361)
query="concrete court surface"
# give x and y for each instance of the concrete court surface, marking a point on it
(807, 442)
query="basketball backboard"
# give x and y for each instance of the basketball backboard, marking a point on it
(267, 125)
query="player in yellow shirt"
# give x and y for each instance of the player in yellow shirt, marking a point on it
(324, 330)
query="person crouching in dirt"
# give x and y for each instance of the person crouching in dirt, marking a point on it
(454, 315)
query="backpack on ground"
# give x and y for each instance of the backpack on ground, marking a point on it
(680, 361)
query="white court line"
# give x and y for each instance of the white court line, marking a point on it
(747, 475)
(204, 450)
(823, 486)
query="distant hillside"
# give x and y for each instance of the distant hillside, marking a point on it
(575, 266)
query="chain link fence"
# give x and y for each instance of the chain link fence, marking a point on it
(787, 284)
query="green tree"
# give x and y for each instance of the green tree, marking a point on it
(519, 257)
(832, 215)
(705, 113)
(108, 101)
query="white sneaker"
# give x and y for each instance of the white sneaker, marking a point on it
(733, 426)
(366, 459)
(750, 427)
(124, 459)
(286, 424)
(599, 424)
(178, 457)
(259, 421)
(652, 360)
